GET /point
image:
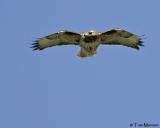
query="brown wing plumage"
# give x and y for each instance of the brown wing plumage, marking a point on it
(121, 37)
(56, 39)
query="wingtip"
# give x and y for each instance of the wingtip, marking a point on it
(35, 46)
(136, 47)
(141, 43)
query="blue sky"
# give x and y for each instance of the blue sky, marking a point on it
(55, 89)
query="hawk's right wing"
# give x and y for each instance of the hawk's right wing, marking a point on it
(59, 38)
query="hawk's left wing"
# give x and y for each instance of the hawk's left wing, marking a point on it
(57, 39)
(121, 37)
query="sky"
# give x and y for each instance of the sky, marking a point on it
(54, 88)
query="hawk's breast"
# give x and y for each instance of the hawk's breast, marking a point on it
(90, 39)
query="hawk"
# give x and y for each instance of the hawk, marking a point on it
(89, 41)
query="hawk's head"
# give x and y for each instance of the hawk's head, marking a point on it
(89, 33)
(90, 36)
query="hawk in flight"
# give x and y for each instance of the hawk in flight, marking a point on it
(89, 41)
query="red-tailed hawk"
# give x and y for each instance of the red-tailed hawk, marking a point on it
(89, 41)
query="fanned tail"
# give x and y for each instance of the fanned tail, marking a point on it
(85, 53)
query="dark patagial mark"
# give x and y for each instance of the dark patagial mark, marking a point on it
(71, 33)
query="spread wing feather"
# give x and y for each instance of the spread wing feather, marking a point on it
(121, 37)
(56, 39)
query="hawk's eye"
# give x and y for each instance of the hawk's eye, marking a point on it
(89, 33)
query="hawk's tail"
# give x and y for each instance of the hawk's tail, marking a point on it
(85, 53)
